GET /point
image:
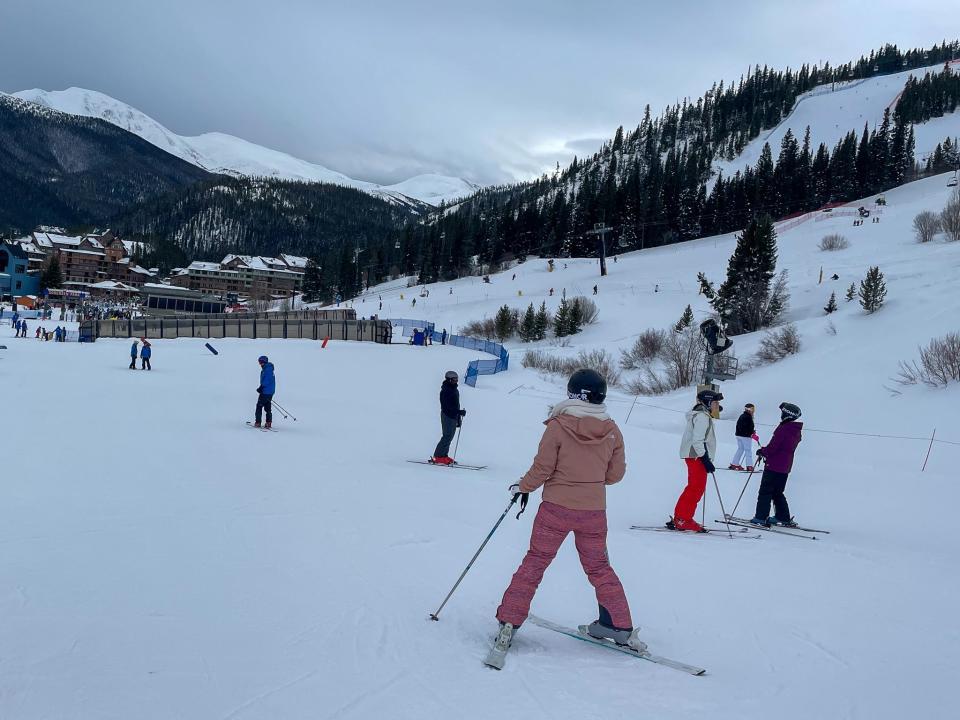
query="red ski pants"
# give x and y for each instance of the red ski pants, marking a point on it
(693, 492)
(550, 528)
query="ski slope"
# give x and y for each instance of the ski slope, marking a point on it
(160, 559)
(223, 153)
(832, 111)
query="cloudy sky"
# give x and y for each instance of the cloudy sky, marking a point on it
(491, 91)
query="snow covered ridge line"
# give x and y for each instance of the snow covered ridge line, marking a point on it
(221, 153)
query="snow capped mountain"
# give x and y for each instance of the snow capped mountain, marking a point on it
(222, 153)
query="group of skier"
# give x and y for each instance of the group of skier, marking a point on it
(581, 452)
(145, 353)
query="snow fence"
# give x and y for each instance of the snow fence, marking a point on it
(476, 367)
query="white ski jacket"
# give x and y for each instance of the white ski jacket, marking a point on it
(698, 436)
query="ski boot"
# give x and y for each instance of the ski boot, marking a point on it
(625, 638)
(504, 637)
(734, 467)
(688, 525)
(268, 425)
(782, 523)
(764, 522)
(749, 468)
(256, 424)
(442, 460)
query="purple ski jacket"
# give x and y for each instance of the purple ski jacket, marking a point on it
(778, 453)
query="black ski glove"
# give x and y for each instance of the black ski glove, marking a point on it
(760, 452)
(260, 389)
(459, 422)
(463, 413)
(707, 463)
(524, 497)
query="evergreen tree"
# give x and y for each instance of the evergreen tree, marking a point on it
(831, 304)
(503, 323)
(873, 290)
(561, 321)
(851, 292)
(744, 300)
(542, 323)
(52, 276)
(575, 319)
(313, 287)
(685, 321)
(528, 326)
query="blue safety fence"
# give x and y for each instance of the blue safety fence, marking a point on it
(476, 367)
(410, 325)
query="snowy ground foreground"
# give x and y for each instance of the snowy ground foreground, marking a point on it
(832, 111)
(162, 560)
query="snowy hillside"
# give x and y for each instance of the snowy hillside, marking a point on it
(161, 560)
(832, 111)
(222, 153)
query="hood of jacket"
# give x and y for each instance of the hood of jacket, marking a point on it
(790, 428)
(585, 422)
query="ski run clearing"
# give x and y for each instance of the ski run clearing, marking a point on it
(159, 560)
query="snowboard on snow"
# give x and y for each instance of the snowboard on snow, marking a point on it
(458, 465)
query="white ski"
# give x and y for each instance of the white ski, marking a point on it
(581, 634)
(457, 465)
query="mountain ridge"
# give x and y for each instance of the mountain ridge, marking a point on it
(223, 153)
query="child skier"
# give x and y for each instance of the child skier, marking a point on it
(268, 386)
(133, 355)
(451, 417)
(778, 462)
(746, 433)
(697, 448)
(581, 452)
(145, 353)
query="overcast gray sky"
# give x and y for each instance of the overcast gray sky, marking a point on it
(491, 91)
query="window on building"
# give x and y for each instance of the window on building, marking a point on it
(19, 285)
(179, 306)
(21, 269)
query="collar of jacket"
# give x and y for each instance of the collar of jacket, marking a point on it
(580, 409)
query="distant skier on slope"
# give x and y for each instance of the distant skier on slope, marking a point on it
(746, 433)
(268, 386)
(580, 453)
(450, 417)
(778, 462)
(145, 354)
(133, 355)
(697, 448)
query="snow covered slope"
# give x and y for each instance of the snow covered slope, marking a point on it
(832, 111)
(222, 153)
(162, 560)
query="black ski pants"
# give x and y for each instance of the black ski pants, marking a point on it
(145, 364)
(772, 485)
(448, 426)
(265, 402)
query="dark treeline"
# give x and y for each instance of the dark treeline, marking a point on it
(931, 96)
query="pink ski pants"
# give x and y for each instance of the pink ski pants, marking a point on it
(550, 528)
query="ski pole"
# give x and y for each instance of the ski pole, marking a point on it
(744, 489)
(720, 498)
(457, 442)
(435, 615)
(283, 412)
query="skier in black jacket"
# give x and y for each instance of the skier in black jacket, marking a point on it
(746, 434)
(450, 417)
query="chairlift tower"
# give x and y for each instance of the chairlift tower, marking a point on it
(601, 230)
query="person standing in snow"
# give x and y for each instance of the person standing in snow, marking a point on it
(746, 433)
(451, 417)
(23, 328)
(268, 386)
(580, 453)
(133, 355)
(778, 462)
(697, 448)
(145, 354)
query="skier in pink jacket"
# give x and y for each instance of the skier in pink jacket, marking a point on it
(581, 452)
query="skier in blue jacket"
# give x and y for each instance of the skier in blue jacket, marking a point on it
(133, 355)
(268, 385)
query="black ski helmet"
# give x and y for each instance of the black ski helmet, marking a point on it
(706, 397)
(789, 411)
(587, 384)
